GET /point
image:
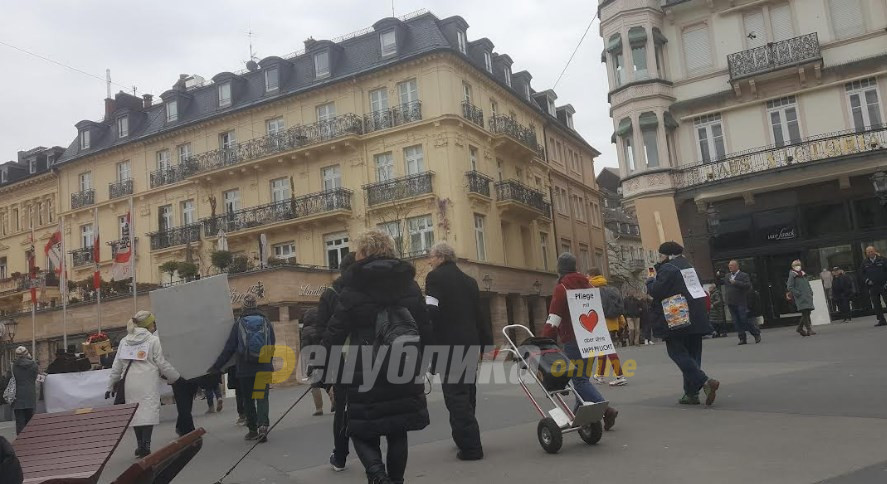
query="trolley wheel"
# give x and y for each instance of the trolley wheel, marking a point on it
(550, 437)
(592, 433)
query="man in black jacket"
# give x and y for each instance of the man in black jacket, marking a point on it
(842, 293)
(453, 301)
(684, 344)
(737, 291)
(873, 275)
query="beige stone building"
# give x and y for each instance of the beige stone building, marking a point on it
(752, 130)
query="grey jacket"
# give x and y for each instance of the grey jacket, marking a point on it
(25, 372)
(801, 291)
(736, 292)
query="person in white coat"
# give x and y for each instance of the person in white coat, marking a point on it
(140, 363)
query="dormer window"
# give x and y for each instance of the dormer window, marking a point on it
(272, 79)
(84, 139)
(3, 176)
(389, 43)
(461, 39)
(570, 120)
(224, 94)
(172, 111)
(123, 126)
(488, 62)
(322, 64)
(551, 110)
(508, 76)
(32, 166)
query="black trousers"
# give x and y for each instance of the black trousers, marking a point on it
(370, 453)
(685, 350)
(461, 402)
(843, 307)
(22, 417)
(340, 434)
(876, 293)
(143, 436)
(240, 399)
(184, 391)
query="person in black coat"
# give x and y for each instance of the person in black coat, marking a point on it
(10, 467)
(684, 345)
(377, 406)
(453, 300)
(842, 292)
(873, 276)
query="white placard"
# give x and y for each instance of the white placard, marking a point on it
(589, 323)
(193, 323)
(85, 389)
(691, 280)
(133, 352)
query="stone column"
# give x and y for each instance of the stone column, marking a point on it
(540, 313)
(499, 317)
(520, 315)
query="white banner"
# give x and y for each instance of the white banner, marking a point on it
(86, 389)
(691, 280)
(589, 324)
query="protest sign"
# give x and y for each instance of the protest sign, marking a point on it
(589, 324)
(193, 323)
(85, 389)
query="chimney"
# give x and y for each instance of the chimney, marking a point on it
(110, 106)
(148, 100)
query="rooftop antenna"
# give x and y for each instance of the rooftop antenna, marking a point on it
(252, 53)
(108, 82)
(392, 8)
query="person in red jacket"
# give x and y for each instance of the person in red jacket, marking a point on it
(559, 327)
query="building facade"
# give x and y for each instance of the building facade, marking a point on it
(752, 130)
(627, 257)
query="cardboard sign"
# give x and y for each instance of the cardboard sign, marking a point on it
(589, 324)
(193, 323)
(691, 280)
(133, 352)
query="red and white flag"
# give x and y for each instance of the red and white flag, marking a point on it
(121, 268)
(53, 251)
(97, 255)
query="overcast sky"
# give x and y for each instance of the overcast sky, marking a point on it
(148, 44)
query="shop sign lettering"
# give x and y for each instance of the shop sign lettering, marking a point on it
(783, 233)
(257, 290)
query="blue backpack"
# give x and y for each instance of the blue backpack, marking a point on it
(254, 335)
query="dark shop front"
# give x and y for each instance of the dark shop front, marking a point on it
(824, 225)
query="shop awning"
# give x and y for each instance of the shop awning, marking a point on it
(658, 37)
(648, 120)
(615, 44)
(637, 36)
(624, 128)
(669, 120)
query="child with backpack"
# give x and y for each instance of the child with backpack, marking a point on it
(611, 299)
(251, 333)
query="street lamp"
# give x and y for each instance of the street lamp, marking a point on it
(537, 287)
(7, 328)
(488, 282)
(714, 219)
(879, 180)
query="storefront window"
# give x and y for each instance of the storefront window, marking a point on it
(733, 233)
(829, 257)
(826, 219)
(869, 214)
(775, 226)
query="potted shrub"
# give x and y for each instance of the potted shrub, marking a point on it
(239, 263)
(187, 270)
(170, 267)
(221, 259)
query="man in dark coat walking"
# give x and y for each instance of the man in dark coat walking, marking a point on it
(842, 292)
(684, 345)
(453, 301)
(24, 369)
(873, 276)
(737, 286)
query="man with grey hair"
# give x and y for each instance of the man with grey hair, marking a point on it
(453, 301)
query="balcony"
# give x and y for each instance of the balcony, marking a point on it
(478, 183)
(396, 116)
(173, 174)
(514, 194)
(511, 129)
(397, 189)
(473, 113)
(774, 56)
(311, 206)
(82, 257)
(172, 237)
(120, 189)
(293, 138)
(82, 199)
(773, 158)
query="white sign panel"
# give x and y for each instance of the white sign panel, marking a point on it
(193, 323)
(589, 324)
(86, 389)
(691, 279)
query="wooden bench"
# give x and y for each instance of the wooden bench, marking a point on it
(163, 465)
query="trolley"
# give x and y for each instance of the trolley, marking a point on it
(560, 420)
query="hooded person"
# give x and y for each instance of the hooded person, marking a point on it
(799, 291)
(611, 300)
(140, 365)
(24, 369)
(559, 327)
(683, 340)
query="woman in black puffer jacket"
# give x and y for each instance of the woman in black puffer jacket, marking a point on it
(376, 406)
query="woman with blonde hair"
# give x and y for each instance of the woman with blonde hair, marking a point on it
(140, 364)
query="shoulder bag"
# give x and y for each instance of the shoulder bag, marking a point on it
(120, 387)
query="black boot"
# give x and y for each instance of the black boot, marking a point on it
(743, 340)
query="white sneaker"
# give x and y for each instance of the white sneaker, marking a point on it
(619, 382)
(598, 379)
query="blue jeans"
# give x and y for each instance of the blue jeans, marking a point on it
(583, 385)
(740, 320)
(686, 351)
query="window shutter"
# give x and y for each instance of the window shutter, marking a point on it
(754, 26)
(697, 49)
(846, 18)
(781, 21)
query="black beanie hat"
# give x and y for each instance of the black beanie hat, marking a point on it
(671, 248)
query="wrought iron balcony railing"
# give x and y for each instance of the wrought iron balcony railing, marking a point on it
(478, 183)
(173, 237)
(774, 56)
(814, 148)
(293, 138)
(391, 117)
(174, 174)
(298, 207)
(83, 198)
(473, 113)
(82, 257)
(501, 124)
(22, 282)
(513, 190)
(120, 189)
(399, 188)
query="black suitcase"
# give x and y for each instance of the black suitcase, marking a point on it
(551, 365)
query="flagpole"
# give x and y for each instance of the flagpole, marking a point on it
(64, 283)
(31, 274)
(96, 277)
(132, 258)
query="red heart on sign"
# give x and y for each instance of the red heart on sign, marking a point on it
(589, 321)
